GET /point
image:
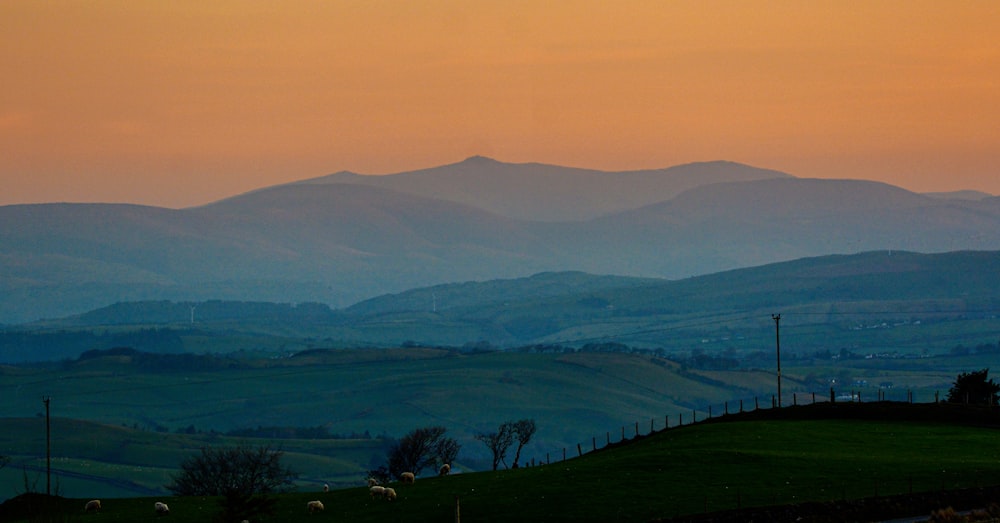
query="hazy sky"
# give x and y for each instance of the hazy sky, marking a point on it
(179, 103)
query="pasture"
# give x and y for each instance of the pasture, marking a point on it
(143, 422)
(808, 456)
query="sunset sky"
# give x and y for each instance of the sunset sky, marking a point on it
(179, 103)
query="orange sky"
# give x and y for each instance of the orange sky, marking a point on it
(179, 103)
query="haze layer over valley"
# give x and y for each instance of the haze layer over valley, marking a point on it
(344, 238)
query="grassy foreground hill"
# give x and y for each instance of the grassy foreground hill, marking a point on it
(790, 456)
(124, 414)
(382, 392)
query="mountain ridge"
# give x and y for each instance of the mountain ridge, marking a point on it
(544, 192)
(832, 293)
(341, 243)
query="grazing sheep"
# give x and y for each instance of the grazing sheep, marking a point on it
(314, 506)
(372, 482)
(326, 487)
(376, 491)
(93, 505)
(445, 470)
(161, 508)
(390, 494)
(407, 477)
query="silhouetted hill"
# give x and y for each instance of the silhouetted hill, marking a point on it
(340, 243)
(534, 191)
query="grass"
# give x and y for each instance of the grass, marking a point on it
(819, 453)
(576, 398)
(465, 393)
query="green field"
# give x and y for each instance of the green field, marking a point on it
(379, 391)
(821, 453)
(142, 422)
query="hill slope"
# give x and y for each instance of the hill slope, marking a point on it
(877, 302)
(540, 192)
(846, 458)
(340, 243)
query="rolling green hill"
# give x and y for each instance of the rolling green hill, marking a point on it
(788, 457)
(897, 302)
(161, 406)
(573, 396)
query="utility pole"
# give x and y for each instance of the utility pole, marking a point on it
(777, 349)
(48, 450)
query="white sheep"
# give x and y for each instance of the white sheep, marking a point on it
(407, 477)
(93, 505)
(376, 491)
(372, 482)
(161, 508)
(445, 470)
(314, 506)
(326, 487)
(390, 494)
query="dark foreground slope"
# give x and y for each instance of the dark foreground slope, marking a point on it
(835, 454)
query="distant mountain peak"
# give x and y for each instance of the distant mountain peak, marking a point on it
(480, 158)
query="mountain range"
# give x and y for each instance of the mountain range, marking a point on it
(344, 238)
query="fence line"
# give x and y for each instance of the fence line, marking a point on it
(798, 399)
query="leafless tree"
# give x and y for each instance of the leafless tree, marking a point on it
(498, 442)
(420, 449)
(242, 477)
(523, 430)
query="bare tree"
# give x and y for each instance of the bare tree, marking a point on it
(447, 451)
(523, 430)
(498, 442)
(421, 448)
(242, 476)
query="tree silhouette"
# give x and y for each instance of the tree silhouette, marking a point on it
(420, 449)
(242, 477)
(973, 388)
(523, 430)
(498, 442)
